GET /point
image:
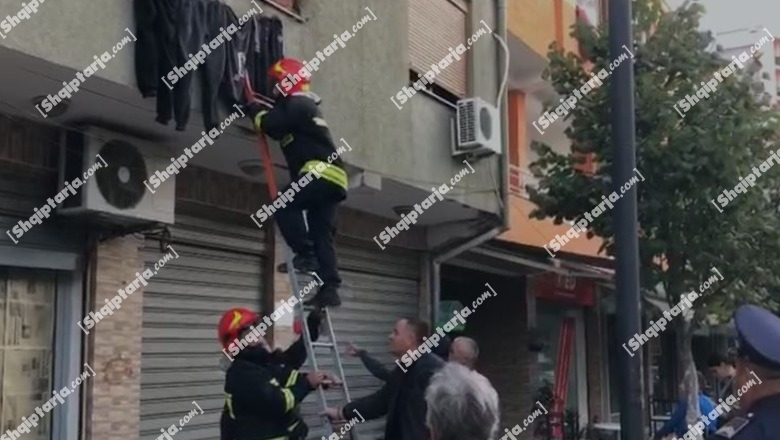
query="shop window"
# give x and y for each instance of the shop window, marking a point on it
(26, 348)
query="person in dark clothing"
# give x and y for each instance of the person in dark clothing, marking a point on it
(402, 398)
(264, 388)
(757, 378)
(378, 370)
(318, 179)
(372, 365)
(722, 368)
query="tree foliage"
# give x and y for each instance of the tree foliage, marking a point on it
(687, 162)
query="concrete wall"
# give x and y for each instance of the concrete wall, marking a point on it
(356, 82)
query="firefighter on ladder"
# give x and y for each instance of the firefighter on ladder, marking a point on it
(263, 388)
(318, 180)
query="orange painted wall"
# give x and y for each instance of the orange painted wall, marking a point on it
(524, 230)
(537, 23)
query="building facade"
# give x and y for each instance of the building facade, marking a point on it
(157, 353)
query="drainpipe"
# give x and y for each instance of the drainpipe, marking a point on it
(439, 257)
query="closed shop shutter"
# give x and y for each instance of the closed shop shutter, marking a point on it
(25, 187)
(378, 288)
(435, 26)
(220, 266)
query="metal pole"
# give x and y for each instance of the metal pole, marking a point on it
(626, 225)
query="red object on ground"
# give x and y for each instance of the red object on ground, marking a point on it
(561, 388)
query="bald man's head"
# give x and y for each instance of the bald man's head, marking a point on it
(464, 351)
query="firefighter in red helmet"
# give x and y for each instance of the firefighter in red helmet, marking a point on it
(263, 388)
(318, 179)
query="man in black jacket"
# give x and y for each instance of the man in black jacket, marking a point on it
(378, 370)
(318, 180)
(402, 398)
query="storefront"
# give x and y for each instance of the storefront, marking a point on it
(41, 276)
(559, 333)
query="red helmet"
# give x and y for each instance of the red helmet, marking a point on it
(233, 322)
(289, 66)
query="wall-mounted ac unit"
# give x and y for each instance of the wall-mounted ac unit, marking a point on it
(478, 128)
(114, 193)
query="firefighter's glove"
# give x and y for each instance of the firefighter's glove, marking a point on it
(255, 109)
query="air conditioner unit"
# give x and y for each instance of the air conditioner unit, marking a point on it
(478, 128)
(114, 193)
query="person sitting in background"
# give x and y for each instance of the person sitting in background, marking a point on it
(462, 405)
(677, 424)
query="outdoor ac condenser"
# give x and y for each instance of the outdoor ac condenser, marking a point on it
(115, 193)
(478, 128)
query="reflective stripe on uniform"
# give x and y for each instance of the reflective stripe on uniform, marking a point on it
(286, 140)
(289, 400)
(259, 120)
(229, 403)
(331, 173)
(292, 379)
(293, 426)
(284, 437)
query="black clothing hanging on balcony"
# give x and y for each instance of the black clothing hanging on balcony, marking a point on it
(259, 45)
(171, 33)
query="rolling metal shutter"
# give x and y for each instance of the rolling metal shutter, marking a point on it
(26, 187)
(219, 266)
(434, 27)
(378, 288)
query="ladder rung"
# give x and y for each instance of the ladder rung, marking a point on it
(323, 344)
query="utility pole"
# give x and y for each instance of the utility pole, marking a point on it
(632, 425)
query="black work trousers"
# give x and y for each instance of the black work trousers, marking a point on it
(319, 198)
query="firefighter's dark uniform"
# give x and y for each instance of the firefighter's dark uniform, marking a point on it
(258, 365)
(297, 123)
(262, 395)
(758, 333)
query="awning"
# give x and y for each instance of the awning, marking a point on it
(583, 270)
(532, 264)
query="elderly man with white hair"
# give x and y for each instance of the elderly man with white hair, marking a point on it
(462, 405)
(464, 351)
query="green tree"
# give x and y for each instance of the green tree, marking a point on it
(687, 162)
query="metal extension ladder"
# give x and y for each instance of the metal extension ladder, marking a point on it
(311, 346)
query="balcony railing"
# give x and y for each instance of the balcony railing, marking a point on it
(518, 179)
